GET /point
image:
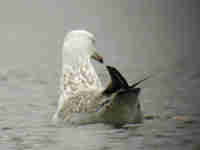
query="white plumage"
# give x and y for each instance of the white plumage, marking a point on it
(78, 74)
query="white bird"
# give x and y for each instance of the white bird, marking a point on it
(82, 98)
(78, 73)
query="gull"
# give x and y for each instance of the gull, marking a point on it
(82, 98)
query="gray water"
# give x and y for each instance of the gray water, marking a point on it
(138, 37)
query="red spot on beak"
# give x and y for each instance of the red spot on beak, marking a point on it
(98, 58)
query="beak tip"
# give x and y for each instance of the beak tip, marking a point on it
(98, 58)
(101, 61)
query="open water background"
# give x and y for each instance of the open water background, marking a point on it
(138, 37)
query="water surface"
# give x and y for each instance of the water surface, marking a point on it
(137, 37)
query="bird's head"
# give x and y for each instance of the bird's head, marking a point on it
(82, 42)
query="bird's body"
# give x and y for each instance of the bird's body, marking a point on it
(82, 98)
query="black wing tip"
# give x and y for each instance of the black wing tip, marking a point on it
(111, 69)
(140, 81)
(117, 77)
(118, 82)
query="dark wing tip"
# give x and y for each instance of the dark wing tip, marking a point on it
(117, 77)
(140, 81)
(117, 81)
